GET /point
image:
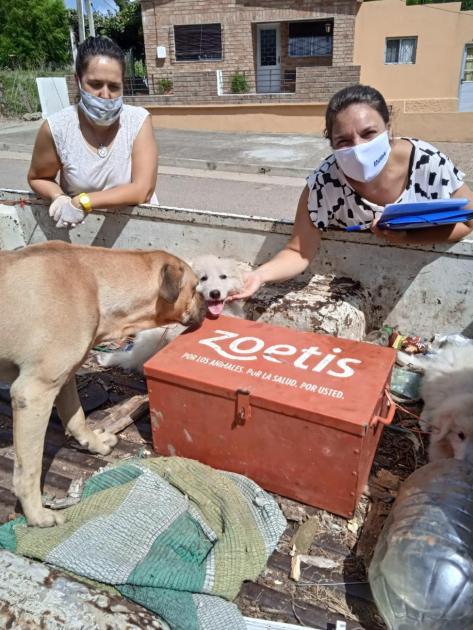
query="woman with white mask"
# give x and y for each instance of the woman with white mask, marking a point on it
(367, 170)
(104, 151)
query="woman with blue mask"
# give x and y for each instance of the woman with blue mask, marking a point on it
(367, 170)
(103, 150)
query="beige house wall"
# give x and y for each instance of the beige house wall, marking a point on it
(442, 32)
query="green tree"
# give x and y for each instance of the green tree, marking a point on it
(33, 33)
(125, 26)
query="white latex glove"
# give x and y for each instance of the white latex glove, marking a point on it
(64, 213)
(57, 204)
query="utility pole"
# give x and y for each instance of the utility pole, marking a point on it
(80, 17)
(72, 37)
(90, 18)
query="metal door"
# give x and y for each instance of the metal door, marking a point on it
(268, 67)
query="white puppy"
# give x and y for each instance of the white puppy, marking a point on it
(447, 391)
(218, 278)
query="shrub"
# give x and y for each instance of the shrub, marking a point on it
(164, 86)
(239, 83)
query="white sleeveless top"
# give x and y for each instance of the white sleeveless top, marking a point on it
(82, 170)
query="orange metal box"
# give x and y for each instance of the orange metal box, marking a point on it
(299, 413)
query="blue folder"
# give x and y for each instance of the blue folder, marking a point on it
(415, 215)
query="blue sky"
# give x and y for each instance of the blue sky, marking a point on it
(102, 6)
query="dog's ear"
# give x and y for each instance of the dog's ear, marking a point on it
(171, 277)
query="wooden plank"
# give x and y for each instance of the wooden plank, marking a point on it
(291, 609)
(116, 418)
(132, 382)
(341, 583)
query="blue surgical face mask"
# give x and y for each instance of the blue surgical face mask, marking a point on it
(365, 161)
(101, 111)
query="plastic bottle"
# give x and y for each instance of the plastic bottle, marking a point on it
(421, 574)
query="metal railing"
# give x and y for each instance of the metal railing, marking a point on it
(135, 86)
(264, 81)
(309, 82)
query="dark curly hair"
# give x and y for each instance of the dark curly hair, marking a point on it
(97, 46)
(353, 95)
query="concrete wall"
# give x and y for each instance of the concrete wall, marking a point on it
(258, 118)
(431, 84)
(302, 118)
(436, 127)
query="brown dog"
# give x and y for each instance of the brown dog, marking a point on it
(56, 302)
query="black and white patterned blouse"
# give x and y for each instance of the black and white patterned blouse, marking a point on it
(334, 203)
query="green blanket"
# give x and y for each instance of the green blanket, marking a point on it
(171, 534)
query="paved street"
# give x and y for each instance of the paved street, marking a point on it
(220, 191)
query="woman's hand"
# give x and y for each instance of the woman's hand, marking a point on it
(65, 212)
(252, 282)
(391, 236)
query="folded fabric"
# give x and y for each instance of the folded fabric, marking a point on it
(171, 534)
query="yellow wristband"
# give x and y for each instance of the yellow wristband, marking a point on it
(85, 202)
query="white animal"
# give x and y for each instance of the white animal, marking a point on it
(218, 279)
(447, 391)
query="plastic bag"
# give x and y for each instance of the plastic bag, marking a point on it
(421, 574)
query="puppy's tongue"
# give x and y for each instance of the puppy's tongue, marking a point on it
(215, 306)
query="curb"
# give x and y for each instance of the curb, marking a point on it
(192, 163)
(255, 169)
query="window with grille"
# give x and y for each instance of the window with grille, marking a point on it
(310, 39)
(198, 42)
(468, 67)
(400, 50)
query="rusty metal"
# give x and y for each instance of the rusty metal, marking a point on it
(299, 413)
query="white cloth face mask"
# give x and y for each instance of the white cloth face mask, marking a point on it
(365, 161)
(101, 111)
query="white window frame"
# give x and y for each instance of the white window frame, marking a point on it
(400, 39)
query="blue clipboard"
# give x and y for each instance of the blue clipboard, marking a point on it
(419, 214)
(414, 215)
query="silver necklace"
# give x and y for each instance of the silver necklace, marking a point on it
(102, 151)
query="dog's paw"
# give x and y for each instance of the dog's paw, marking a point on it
(102, 442)
(45, 518)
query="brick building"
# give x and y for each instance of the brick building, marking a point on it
(248, 51)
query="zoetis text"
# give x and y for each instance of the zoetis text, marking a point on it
(231, 346)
